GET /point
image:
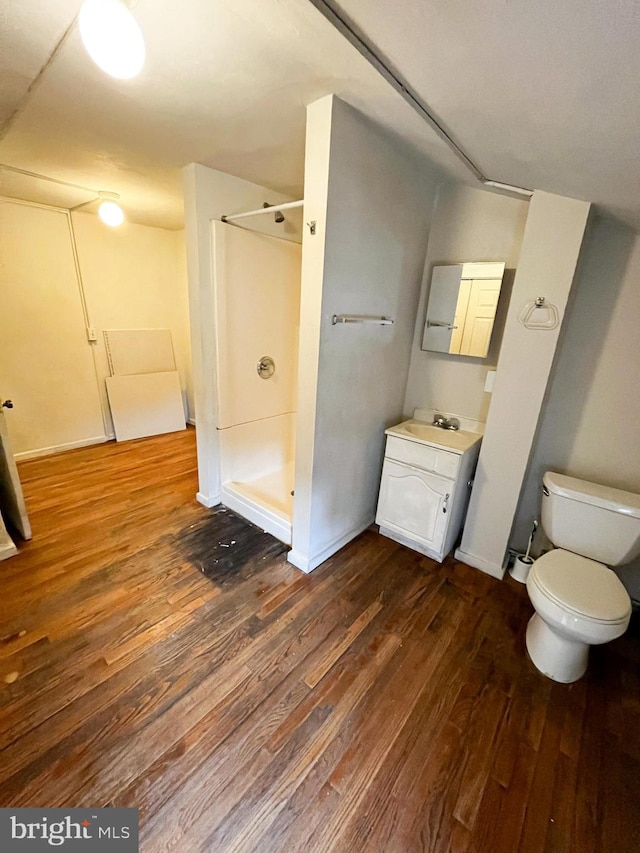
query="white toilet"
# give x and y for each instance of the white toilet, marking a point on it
(580, 602)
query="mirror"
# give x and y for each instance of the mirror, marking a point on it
(462, 307)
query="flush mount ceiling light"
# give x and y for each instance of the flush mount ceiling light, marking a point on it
(109, 211)
(112, 37)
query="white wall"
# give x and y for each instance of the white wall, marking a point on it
(468, 225)
(257, 283)
(135, 277)
(256, 449)
(590, 425)
(46, 362)
(372, 200)
(548, 260)
(257, 294)
(209, 195)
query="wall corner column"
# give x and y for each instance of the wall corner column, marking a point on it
(316, 193)
(548, 260)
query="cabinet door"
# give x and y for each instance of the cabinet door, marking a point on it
(412, 502)
(443, 297)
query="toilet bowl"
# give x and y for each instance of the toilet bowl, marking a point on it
(578, 603)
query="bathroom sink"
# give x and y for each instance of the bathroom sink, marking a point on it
(425, 433)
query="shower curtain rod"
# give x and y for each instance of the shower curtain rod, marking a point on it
(273, 208)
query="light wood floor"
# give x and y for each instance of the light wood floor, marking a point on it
(160, 655)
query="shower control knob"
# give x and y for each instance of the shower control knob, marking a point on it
(266, 367)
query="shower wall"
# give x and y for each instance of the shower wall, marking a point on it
(257, 299)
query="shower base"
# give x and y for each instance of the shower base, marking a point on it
(266, 501)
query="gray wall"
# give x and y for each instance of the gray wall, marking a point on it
(468, 225)
(379, 201)
(590, 426)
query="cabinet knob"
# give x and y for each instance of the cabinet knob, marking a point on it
(444, 505)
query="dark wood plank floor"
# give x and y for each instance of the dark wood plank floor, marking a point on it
(160, 655)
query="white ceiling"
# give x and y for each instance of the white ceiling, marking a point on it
(542, 95)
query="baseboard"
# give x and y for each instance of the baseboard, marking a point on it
(7, 551)
(308, 564)
(477, 563)
(191, 421)
(7, 545)
(208, 502)
(299, 561)
(254, 513)
(60, 448)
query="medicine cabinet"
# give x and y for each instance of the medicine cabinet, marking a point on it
(463, 299)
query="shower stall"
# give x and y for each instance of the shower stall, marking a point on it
(257, 311)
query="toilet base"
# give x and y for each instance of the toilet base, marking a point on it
(555, 655)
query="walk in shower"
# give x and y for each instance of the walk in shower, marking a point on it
(257, 306)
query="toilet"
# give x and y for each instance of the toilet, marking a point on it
(579, 601)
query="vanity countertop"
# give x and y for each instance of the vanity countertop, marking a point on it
(421, 432)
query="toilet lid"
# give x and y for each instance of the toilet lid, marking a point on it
(582, 585)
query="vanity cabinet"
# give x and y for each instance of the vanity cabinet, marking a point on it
(425, 488)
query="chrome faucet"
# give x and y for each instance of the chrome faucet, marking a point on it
(446, 423)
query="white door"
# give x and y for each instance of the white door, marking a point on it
(461, 315)
(11, 498)
(481, 312)
(414, 503)
(46, 362)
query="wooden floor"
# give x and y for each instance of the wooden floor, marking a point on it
(160, 655)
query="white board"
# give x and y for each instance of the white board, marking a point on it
(149, 404)
(135, 351)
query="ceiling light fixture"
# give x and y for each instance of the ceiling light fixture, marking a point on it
(112, 214)
(112, 37)
(109, 211)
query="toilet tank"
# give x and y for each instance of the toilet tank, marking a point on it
(595, 521)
